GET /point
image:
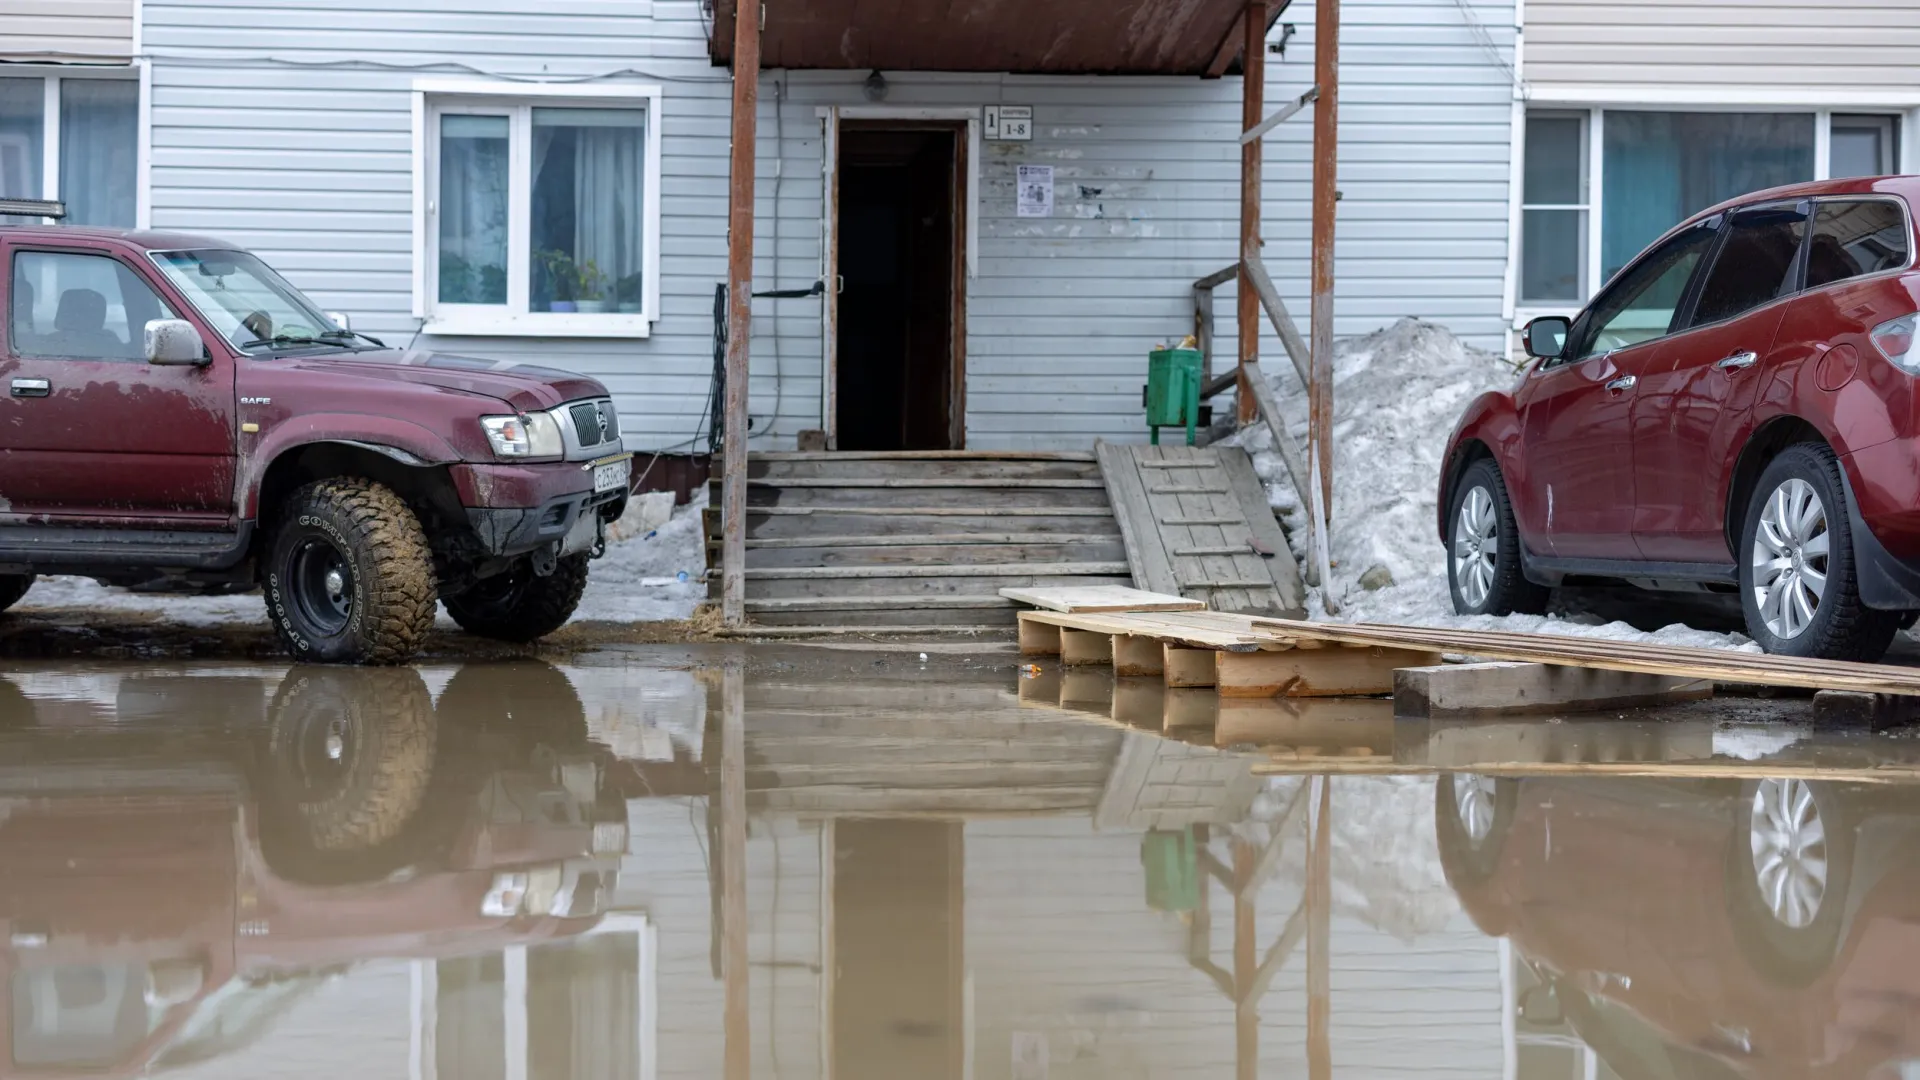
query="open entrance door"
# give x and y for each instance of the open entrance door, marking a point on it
(897, 327)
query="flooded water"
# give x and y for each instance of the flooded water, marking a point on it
(807, 864)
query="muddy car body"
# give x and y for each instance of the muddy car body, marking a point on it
(177, 413)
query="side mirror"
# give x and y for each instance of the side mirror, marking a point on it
(1539, 1005)
(1546, 336)
(174, 342)
(340, 319)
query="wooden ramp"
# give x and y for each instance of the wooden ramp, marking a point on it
(917, 540)
(1197, 524)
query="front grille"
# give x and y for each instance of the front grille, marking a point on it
(594, 423)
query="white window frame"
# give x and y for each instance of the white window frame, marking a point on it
(1586, 207)
(50, 76)
(1596, 102)
(433, 98)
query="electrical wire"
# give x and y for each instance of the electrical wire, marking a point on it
(779, 174)
(221, 60)
(1486, 43)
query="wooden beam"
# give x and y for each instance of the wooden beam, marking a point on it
(1246, 1004)
(1319, 906)
(733, 515)
(1140, 703)
(1038, 638)
(1136, 655)
(1224, 56)
(1189, 708)
(1078, 647)
(1252, 103)
(1280, 115)
(1279, 317)
(1508, 687)
(1326, 152)
(1320, 673)
(737, 1056)
(1186, 667)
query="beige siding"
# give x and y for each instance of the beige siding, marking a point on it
(1862, 46)
(66, 30)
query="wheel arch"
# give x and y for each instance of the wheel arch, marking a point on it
(425, 486)
(1465, 453)
(1766, 443)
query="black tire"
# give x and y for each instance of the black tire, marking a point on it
(348, 576)
(349, 758)
(1841, 628)
(1790, 944)
(530, 702)
(12, 588)
(519, 605)
(1470, 849)
(1506, 590)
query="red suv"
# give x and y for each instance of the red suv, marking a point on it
(176, 412)
(1736, 411)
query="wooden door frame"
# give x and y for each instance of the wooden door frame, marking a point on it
(964, 122)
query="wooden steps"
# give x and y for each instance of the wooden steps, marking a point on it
(918, 539)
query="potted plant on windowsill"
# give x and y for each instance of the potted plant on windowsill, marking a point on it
(627, 295)
(563, 278)
(591, 289)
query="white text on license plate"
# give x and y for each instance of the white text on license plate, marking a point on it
(611, 475)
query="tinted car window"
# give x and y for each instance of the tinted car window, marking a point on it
(1639, 306)
(1855, 238)
(79, 307)
(1754, 265)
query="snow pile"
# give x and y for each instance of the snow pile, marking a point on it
(1397, 394)
(638, 580)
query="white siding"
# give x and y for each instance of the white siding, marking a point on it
(303, 154)
(1724, 44)
(65, 30)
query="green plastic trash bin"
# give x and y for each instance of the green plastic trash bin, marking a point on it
(1173, 391)
(1172, 861)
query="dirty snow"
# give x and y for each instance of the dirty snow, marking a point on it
(636, 581)
(1397, 394)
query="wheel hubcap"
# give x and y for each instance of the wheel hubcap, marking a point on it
(1473, 806)
(1476, 543)
(1789, 844)
(322, 584)
(1790, 549)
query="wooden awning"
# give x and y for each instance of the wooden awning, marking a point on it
(1022, 37)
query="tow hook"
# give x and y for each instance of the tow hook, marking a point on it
(545, 559)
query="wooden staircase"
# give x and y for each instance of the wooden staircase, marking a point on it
(917, 539)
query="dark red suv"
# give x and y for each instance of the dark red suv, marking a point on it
(1736, 410)
(177, 413)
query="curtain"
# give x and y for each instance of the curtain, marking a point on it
(22, 116)
(99, 150)
(473, 209)
(587, 218)
(607, 188)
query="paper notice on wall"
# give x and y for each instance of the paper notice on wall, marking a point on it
(1035, 185)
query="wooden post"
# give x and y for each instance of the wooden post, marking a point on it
(1319, 901)
(1326, 143)
(733, 869)
(1246, 1001)
(1253, 65)
(733, 488)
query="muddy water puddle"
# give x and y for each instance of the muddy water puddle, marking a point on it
(712, 863)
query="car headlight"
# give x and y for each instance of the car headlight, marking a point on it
(531, 435)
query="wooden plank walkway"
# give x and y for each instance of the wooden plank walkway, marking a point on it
(1197, 524)
(1238, 642)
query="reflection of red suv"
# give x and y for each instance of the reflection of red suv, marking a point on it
(1734, 411)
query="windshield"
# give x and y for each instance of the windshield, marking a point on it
(253, 307)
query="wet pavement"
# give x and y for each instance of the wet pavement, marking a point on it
(804, 863)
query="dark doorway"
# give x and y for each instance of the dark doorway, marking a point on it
(900, 333)
(898, 945)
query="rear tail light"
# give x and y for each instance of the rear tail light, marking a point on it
(1894, 339)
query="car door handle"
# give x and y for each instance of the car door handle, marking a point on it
(31, 388)
(1737, 361)
(1624, 382)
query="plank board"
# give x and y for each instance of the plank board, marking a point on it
(1195, 522)
(1096, 598)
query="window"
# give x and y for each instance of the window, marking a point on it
(1640, 306)
(1863, 146)
(1554, 209)
(1755, 263)
(70, 306)
(1852, 238)
(540, 209)
(75, 139)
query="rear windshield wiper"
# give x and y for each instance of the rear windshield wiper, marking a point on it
(295, 339)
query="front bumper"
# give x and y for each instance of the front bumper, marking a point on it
(514, 509)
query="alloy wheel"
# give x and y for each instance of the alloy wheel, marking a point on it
(1790, 558)
(1788, 840)
(1476, 543)
(1473, 806)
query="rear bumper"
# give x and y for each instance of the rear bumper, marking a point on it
(515, 509)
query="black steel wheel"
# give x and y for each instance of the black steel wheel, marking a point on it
(12, 588)
(520, 605)
(348, 576)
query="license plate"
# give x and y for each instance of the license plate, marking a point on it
(611, 475)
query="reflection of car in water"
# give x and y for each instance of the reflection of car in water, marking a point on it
(167, 888)
(1703, 928)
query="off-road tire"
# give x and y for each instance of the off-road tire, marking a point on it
(529, 702)
(12, 588)
(519, 605)
(1842, 627)
(350, 755)
(1510, 592)
(392, 582)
